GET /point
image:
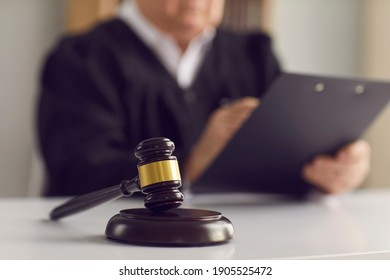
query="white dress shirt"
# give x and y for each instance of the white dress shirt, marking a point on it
(182, 66)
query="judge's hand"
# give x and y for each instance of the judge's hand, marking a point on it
(342, 173)
(220, 128)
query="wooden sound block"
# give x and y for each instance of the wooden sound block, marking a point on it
(177, 227)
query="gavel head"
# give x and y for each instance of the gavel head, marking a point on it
(159, 175)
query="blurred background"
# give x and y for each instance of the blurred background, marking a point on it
(333, 37)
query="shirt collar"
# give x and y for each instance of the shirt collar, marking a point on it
(129, 12)
(182, 66)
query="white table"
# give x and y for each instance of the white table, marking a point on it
(355, 226)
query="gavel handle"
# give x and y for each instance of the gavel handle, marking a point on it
(89, 200)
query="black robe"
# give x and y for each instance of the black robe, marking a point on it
(105, 91)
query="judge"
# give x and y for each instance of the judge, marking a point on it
(160, 68)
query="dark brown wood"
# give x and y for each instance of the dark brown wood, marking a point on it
(160, 196)
(177, 227)
(165, 195)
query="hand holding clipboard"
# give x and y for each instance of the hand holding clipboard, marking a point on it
(300, 117)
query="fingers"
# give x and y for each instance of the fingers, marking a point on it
(354, 151)
(243, 106)
(342, 173)
(232, 116)
(245, 102)
(331, 176)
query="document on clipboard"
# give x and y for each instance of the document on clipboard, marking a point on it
(300, 116)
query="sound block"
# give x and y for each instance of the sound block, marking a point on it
(176, 227)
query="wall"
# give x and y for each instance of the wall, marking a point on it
(27, 29)
(376, 65)
(316, 36)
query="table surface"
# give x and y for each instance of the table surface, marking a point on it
(354, 226)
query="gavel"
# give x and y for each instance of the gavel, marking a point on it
(158, 177)
(159, 223)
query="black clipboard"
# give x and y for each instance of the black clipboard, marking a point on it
(300, 116)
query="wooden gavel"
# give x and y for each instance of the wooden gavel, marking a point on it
(158, 178)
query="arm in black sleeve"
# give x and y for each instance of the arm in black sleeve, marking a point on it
(265, 61)
(81, 119)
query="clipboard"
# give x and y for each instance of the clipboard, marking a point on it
(300, 116)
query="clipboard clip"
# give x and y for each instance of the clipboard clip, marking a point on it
(320, 87)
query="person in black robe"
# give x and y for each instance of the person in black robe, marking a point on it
(104, 91)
